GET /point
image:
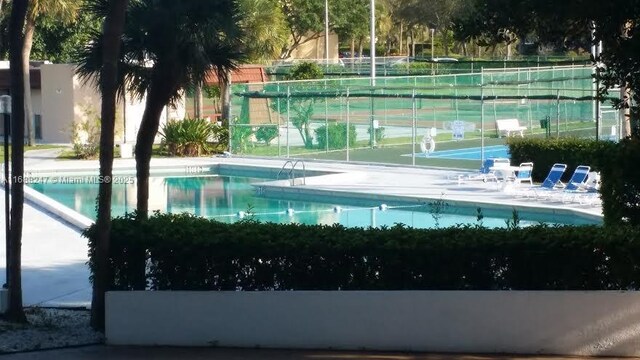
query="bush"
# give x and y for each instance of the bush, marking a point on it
(188, 137)
(85, 137)
(379, 133)
(617, 163)
(219, 138)
(305, 71)
(337, 136)
(267, 134)
(185, 252)
(620, 183)
(241, 134)
(571, 151)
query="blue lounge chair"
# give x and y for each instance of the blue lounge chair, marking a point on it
(552, 181)
(583, 184)
(579, 178)
(486, 172)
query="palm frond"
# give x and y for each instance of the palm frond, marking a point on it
(172, 44)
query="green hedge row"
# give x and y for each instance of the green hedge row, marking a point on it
(616, 162)
(571, 151)
(184, 252)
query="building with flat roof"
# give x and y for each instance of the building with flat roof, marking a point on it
(60, 101)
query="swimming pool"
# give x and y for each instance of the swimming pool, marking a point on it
(474, 153)
(232, 198)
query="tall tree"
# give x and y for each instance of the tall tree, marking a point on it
(15, 311)
(305, 20)
(435, 14)
(58, 39)
(168, 46)
(350, 20)
(568, 25)
(266, 27)
(618, 63)
(62, 9)
(108, 81)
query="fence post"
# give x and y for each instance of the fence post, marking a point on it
(279, 120)
(326, 119)
(413, 127)
(288, 116)
(558, 114)
(347, 124)
(481, 120)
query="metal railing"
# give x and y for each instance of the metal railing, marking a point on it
(291, 172)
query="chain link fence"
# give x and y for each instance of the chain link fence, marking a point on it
(453, 120)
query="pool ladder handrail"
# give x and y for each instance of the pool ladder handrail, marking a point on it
(291, 172)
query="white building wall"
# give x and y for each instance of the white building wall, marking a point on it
(64, 98)
(535, 322)
(57, 102)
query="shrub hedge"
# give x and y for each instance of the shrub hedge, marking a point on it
(571, 151)
(185, 252)
(337, 136)
(616, 162)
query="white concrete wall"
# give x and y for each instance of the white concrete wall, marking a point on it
(65, 99)
(535, 322)
(133, 115)
(57, 102)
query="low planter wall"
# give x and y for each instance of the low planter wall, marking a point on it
(533, 322)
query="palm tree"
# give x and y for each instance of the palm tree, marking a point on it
(65, 10)
(168, 46)
(15, 312)
(266, 25)
(107, 81)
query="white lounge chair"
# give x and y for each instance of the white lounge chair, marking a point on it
(487, 171)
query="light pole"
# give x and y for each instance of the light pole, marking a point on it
(326, 32)
(373, 43)
(433, 31)
(326, 57)
(5, 109)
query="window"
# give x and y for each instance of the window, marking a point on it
(37, 125)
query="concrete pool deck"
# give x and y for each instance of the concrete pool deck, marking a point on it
(55, 253)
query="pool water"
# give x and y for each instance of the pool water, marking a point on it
(228, 198)
(474, 153)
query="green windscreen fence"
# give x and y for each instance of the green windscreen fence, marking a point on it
(454, 120)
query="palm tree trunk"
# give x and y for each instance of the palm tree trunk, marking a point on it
(144, 145)
(352, 48)
(29, 29)
(401, 50)
(113, 28)
(225, 92)
(413, 42)
(199, 99)
(15, 312)
(445, 41)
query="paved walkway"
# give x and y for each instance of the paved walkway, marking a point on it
(54, 253)
(162, 353)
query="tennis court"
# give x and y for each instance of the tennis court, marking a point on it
(474, 153)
